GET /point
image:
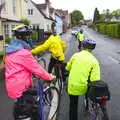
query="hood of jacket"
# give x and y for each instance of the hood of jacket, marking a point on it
(16, 45)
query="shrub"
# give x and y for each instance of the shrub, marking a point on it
(111, 29)
(7, 39)
(34, 36)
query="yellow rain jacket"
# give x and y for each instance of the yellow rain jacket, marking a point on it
(80, 66)
(80, 36)
(55, 45)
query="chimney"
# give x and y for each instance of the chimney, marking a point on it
(47, 1)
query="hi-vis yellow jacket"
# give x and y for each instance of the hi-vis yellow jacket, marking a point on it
(80, 66)
(55, 45)
(80, 36)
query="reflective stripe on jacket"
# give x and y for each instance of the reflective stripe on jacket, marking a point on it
(55, 45)
(80, 66)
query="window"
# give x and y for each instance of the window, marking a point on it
(14, 6)
(30, 11)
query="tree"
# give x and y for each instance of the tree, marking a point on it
(76, 16)
(25, 21)
(96, 15)
(116, 13)
(102, 17)
(108, 15)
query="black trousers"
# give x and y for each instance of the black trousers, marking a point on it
(73, 107)
(79, 46)
(51, 65)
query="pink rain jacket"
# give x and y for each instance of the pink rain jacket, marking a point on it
(19, 67)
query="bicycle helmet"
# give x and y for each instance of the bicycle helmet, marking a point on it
(22, 31)
(89, 44)
(81, 30)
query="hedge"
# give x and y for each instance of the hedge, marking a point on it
(112, 30)
(35, 35)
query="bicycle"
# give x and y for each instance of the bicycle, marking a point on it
(50, 93)
(95, 107)
(57, 71)
(39, 102)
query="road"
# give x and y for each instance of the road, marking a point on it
(108, 53)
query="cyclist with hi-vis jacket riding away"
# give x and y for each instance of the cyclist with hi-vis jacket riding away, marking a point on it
(80, 65)
(80, 37)
(56, 46)
(20, 64)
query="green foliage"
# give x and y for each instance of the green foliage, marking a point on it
(111, 29)
(25, 21)
(7, 39)
(1, 55)
(76, 16)
(102, 17)
(34, 35)
(116, 13)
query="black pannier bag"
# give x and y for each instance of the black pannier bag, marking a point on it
(27, 106)
(97, 90)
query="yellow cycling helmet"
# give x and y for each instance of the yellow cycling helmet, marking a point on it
(22, 30)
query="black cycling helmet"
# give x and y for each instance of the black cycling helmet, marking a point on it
(88, 44)
(22, 31)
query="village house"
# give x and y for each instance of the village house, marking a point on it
(12, 13)
(39, 15)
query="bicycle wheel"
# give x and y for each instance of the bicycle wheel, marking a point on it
(94, 111)
(59, 84)
(99, 114)
(105, 114)
(51, 102)
(42, 62)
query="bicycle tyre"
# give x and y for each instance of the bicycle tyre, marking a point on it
(99, 114)
(59, 84)
(51, 98)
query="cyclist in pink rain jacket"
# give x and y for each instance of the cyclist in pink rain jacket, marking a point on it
(20, 64)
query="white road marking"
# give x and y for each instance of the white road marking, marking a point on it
(113, 59)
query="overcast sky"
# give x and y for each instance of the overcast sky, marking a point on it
(85, 6)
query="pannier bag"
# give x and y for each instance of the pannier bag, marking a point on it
(26, 107)
(97, 90)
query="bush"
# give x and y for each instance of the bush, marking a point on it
(7, 39)
(111, 29)
(34, 35)
(1, 55)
